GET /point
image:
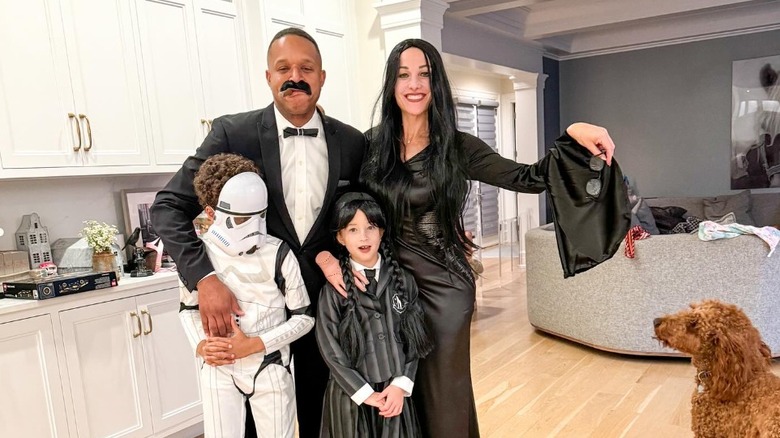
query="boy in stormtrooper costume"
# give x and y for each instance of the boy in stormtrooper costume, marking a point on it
(252, 364)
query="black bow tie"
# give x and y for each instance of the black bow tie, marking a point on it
(300, 131)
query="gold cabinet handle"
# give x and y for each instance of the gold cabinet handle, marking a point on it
(148, 319)
(207, 122)
(78, 131)
(89, 131)
(137, 323)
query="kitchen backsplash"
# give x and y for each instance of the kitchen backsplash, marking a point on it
(64, 203)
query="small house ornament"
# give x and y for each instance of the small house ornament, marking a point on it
(33, 237)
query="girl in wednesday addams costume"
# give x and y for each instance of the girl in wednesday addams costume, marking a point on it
(370, 340)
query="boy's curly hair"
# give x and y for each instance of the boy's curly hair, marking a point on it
(214, 173)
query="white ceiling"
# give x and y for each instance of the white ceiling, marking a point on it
(576, 28)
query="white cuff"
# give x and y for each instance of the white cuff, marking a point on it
(206, 276)
(404, 383)
(362, 394)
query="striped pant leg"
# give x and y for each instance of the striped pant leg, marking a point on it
(224, 414)
(273, 403)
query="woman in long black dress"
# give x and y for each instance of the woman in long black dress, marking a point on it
(419, 165)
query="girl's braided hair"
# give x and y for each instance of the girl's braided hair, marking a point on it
(350, 333)
(414, 334)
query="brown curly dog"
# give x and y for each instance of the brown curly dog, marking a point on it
(737, 395)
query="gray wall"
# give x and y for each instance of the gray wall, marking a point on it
(63, 204)
(668, 109)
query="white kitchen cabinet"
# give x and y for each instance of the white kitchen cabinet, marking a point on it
(173, 80)
(104, 353)
(223, 56)
(30, 382)
(70, 91)
(130, 367)
(172, 370)
(195, 70)
(95, 87)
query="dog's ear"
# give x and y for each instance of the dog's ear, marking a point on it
(729, 372)
(738, 356)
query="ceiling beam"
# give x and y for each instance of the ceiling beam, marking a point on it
(564, 16)
(677, 30)
(467, 8)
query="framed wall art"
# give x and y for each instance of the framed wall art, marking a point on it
(755, 123)
(135, 205)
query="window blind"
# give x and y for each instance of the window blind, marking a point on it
(478, 118)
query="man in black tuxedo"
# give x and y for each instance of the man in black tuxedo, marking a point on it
(307, 161)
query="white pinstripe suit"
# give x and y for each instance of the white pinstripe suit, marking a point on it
(250, 278)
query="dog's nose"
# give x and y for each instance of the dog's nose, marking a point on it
(656, 322)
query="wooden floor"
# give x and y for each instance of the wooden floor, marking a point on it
(530, 384)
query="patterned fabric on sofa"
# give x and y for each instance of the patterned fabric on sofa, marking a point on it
(612, 306)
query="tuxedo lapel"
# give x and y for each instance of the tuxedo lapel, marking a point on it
(272, 164)
(334, 170)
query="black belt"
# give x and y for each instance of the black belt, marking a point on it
(274, 358)
(183, 307)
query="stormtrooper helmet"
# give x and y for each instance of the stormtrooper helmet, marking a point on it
(239, 226)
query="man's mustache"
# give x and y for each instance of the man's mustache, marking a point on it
(292, 85)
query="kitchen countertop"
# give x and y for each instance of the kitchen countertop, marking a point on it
(127, 284)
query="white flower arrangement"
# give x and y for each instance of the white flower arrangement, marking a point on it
(99, 236)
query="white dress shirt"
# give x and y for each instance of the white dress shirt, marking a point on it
(304, 162)
(362, 269)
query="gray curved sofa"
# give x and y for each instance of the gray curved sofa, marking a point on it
(612, 306)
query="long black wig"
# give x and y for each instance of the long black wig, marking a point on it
(383, 171)
(416, 341)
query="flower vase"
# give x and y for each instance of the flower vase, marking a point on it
(105, 262)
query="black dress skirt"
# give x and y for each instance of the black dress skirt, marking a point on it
(345, 419)
(442, 392)
(384, 360)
